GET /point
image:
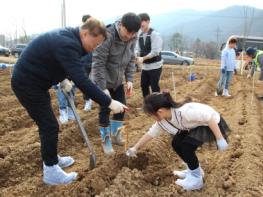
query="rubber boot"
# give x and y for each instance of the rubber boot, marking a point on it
(106, 141)
(116, 136)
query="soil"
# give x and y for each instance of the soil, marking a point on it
(235, 172)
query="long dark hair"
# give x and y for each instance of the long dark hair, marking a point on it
(155, 101)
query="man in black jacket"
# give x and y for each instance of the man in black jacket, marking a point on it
(46, 61)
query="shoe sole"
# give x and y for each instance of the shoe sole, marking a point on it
(73, 178)
(70, 164)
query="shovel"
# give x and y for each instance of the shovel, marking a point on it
(69, 97)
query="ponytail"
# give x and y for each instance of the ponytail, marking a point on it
(155, 101)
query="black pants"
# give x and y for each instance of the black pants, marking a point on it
(150, 78)
(185, 147)
(104, 114)
(37, 103)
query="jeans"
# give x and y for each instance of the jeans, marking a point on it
(104, 114)
(150, 78)
(228, 78)
(62, 101)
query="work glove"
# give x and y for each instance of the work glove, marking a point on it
(131, 152)
(129, 88)
(117, 107)
(221, 144)
(66, 85)
(106, 91)
(139, 60)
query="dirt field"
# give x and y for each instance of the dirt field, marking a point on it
(235, 172)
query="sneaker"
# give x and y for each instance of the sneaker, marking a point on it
(226, 93)
(63, 117)
(71, 114)
(182, 173)
(54, 175)
(192, 181)
(64, 162)
(88, 105)
(216, 93)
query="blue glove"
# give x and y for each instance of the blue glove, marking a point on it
(223, 70)
(221, 144)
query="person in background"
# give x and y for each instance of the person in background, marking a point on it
(256, 58)
(228, 66)
(148, 52)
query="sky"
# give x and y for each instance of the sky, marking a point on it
(36, 16)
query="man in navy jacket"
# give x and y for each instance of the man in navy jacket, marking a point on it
(48, 60)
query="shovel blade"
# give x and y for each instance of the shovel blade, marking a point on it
(92, 161)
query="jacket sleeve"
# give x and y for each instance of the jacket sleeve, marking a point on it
(99, 60)
(68, 55)
(130, 69)
(155, 130)
(224, 59)
(157, 44)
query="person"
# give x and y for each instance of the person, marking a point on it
(228, 66)
(87, 60)
(48, 60)
(113, 61)
(65, 111)
(148, 49)
(190, 124)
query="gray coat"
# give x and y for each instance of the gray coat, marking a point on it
(113, 60)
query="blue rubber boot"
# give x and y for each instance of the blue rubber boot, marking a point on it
(116, 132)
(106, 141)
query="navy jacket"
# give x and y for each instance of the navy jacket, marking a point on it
(52, 57)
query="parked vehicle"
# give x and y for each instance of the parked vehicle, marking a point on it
(4, 51)
(170, 57)
(17, 50)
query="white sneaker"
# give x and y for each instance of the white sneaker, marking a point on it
(63, 117)
(191, 181)
(88, 105)
(182, 173)
(226, 93)
(71, 114)
(64, 162)
(54, 175)
(216, 93)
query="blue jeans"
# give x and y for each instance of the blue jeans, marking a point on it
(62, 101)
(228, 78)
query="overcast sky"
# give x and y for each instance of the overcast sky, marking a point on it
(37, 16)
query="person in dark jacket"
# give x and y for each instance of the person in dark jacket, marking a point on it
(48, 60)
(112, 62)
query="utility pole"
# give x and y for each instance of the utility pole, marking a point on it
(63, 13)
(218, 31)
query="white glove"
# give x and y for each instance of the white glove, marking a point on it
(221, 144)
(131, 152)
(106, 91)
(66, 85)
(139, 60)
(129, 87)
(117, 107)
